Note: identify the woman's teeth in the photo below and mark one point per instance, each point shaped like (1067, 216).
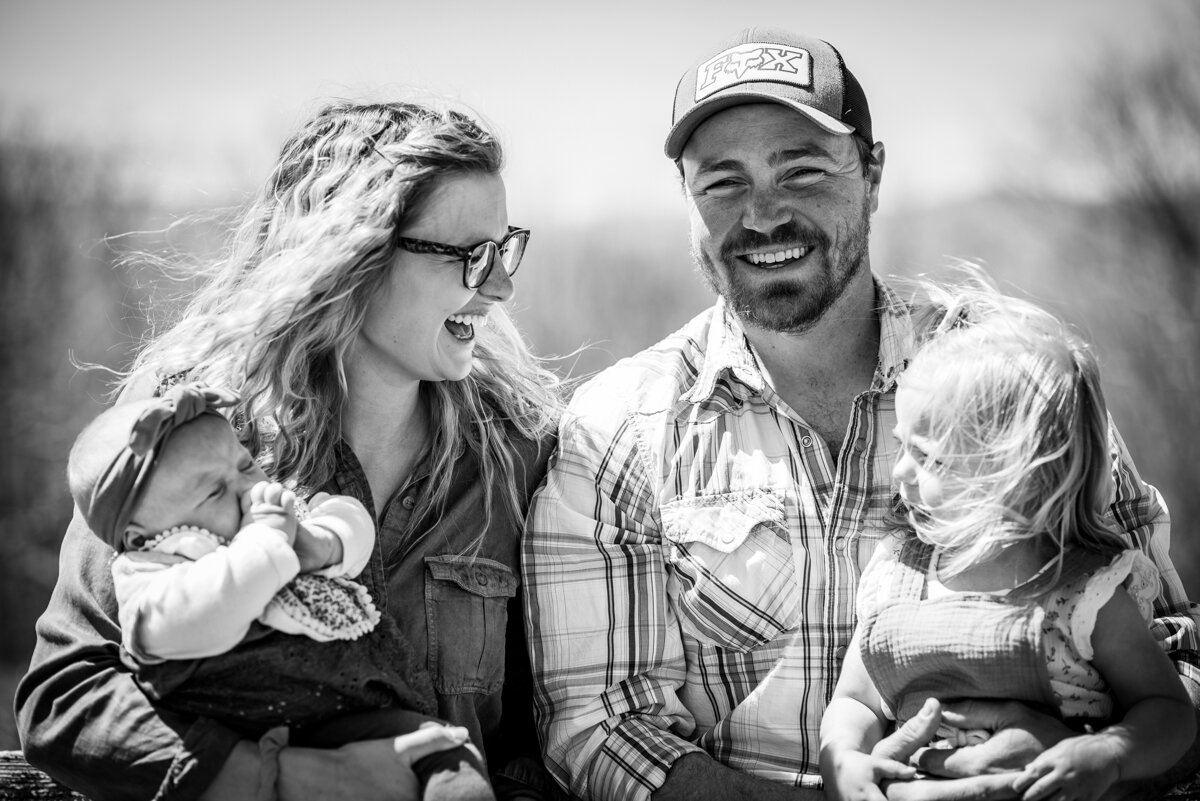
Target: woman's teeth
(778, 256)
(462, 326)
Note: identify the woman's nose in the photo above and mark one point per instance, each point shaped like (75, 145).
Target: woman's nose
(499, 284)
(903, 471)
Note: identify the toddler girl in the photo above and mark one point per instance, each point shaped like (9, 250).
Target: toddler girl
(236, 601)
(1011, 583)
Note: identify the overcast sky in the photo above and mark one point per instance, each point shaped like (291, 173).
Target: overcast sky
(203, 92)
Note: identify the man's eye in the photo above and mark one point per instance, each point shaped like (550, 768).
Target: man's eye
(217, 492)
(805, 175)
(721, 187)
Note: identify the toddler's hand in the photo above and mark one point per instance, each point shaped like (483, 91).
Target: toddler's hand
(1077, 768)
(270, 504)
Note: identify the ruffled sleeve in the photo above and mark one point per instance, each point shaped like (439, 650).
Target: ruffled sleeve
(1131, 569)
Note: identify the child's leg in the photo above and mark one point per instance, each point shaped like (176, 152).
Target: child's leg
(453, 775)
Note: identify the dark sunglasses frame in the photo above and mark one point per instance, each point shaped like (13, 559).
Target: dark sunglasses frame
(488, 249)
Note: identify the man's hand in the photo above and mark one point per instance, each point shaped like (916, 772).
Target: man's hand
(913, 736)
(1020, 734)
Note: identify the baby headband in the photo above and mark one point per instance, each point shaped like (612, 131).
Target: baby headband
(116, 492)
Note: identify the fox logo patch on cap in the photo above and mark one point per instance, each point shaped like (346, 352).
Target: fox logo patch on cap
(754, 61)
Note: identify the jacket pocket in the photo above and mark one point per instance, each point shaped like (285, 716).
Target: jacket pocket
(466, 605)
(733, 572)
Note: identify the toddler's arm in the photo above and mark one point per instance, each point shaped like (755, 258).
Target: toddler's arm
(851, 726)
(1156, 729)
(336, 538)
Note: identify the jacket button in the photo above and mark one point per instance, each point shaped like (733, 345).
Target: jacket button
(408, 502)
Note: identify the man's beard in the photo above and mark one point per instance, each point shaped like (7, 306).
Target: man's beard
(787, 306)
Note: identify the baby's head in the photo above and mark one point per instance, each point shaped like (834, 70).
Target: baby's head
(143, 467)
(1003, 429)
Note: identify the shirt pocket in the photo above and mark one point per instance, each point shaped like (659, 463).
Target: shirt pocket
(466, 606)
(733, 568)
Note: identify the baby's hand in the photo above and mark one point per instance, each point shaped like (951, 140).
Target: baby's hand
(270, 504)
(1076, 768)
(317, 548)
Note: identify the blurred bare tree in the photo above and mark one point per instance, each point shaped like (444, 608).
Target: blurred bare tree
(60, 296)
(1137, 129)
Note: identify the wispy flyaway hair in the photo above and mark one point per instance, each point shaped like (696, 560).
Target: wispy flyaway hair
(275, 319)
(1011, 400)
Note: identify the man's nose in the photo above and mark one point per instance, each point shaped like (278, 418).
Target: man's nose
(765, 211)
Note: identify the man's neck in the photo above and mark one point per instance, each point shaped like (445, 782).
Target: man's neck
(818, 372)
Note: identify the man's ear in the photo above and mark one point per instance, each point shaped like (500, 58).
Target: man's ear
(875, 173)
(135, 537)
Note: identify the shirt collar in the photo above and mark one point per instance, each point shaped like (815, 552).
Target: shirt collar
(728, 355)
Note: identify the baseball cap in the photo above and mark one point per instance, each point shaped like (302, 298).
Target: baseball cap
(765, 65)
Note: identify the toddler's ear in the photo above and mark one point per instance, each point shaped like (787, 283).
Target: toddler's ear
(135, 537)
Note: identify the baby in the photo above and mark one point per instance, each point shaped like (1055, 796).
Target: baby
(237, 601)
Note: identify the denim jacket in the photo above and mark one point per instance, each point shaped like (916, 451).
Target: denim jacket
(84, 721)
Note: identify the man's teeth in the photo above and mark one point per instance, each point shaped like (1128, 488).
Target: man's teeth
(469, 319)
(778, 256)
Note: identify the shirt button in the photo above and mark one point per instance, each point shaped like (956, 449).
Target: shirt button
(806, 441)
(839, 653)
(727, 538)
(839, 544)
(408, 502)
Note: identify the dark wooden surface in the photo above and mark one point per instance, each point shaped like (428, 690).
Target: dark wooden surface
(20, 782)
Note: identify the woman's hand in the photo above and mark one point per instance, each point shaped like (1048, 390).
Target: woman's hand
(371, 770)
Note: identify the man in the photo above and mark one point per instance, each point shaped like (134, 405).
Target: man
(691, 561)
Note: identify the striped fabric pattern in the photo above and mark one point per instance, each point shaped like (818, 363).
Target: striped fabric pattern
(691, 562)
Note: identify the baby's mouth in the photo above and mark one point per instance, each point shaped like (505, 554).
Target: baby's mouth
(462, 326)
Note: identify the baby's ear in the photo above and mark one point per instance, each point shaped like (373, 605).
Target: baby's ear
(135, 537)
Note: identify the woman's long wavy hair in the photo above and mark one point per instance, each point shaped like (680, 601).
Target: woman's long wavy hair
(275, 318)
(1010, 400)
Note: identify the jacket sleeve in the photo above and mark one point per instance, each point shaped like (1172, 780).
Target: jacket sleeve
(81, 717)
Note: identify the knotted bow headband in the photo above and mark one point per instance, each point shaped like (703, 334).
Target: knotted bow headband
(116, 492)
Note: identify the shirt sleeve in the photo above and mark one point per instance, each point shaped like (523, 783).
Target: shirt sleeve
(1140, 512)
(605, 648)
(175, 608)
(348, 520)
(81, 717)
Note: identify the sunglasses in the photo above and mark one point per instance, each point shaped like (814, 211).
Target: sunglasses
(477, 260)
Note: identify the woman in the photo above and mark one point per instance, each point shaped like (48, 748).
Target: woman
(359, 318)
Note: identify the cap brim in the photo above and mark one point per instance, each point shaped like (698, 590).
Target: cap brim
(689, 122)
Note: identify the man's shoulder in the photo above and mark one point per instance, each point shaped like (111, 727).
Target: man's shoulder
(651, 381)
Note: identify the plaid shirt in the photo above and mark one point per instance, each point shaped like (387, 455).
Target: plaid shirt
(692, 559)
